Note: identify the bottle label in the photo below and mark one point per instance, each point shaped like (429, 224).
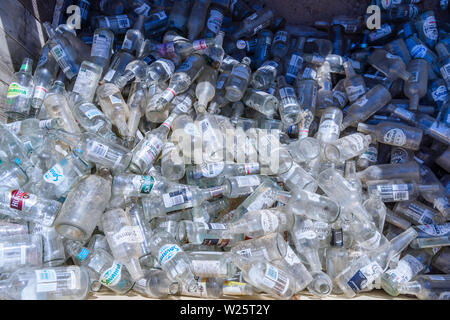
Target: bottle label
(167, 65)
(39, 92)
(14, 126)
(240, 71)
(167, 252)
(101, 46)
(55, 175)
(393, 192)
(115, 100)
(161, 15)
(252, 167)
(264, 200)
(354, 92)
(112, 276)
(341, 97)
(128, 234)
(380, 33)
(183, 103)
(269, 221)
(60, 56)
(82, 254)
(356, 141)
(16, 90)
(435, 229)
(395, 136)
(91, 113)
(48, 280)
(20, 200)
(365, 276)
(276, 279)
(187, 65)
(441, 93)
(98, 150)
(430, 28)
(294, 66)
(281, 36)
(419, 51)
(210, 170)
(371, 154)
(420, 214)
(199, 44)
(123, 21)
(206, 268)
(109, 75)
(176, 198)
(86, 80)
(143, 9)
(362, 101)
(150, 149)
(407, 268)
(329, 127)
(445, 71)
(247, 181)
(234, 288)
(127, 44)
(291, 257)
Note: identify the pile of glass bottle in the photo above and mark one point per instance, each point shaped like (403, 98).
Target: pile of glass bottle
(205, 148)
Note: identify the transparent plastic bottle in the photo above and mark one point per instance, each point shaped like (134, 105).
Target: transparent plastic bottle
(20, 92)
(238, 80)
(59, 283)
(124, 239)
(84, 205)
(173, 260)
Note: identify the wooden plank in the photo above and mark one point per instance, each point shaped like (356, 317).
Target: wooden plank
(42, 10)
(3, 91)
(12, 54)
(22, 26)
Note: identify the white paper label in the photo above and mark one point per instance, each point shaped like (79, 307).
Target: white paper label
(395, 136)
(269, 221)
(46, 280)
(98, 149)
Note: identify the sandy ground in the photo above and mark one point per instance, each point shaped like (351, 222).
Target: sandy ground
(308, 11)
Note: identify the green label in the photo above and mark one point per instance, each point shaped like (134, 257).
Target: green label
(15, 90)
(147, 184)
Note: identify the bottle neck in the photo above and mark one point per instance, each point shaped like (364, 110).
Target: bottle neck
(27, 66)
(366, 128)
(214, 192)
(349, 71)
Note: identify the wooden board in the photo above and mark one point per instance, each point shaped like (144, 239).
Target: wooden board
(22, 26)
(42, 10)
(106, 294)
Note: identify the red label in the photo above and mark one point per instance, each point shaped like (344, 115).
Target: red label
(17, 198)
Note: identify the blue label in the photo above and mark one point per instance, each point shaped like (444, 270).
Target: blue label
(357, 281)
(83, 254)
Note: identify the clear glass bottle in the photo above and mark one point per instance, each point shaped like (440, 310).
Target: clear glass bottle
(205, 89)
(102, 45)
(84, 205)
(86, 82)
(238, 80)
(347, 147)
(354, 84)
(295, 61)
(59, 283)
(20, 92)
(148, 149)
(29, 207)
(107, 271)
(409, 171)
(261, 101)
(173, 260)
(365, 106)
(289, 107)
(53, 253)
(156, 284)
(124, 239)
(392, 66)
(428, 287)
(44, 75)
(57, 106)
(336, 257)
(416, 86)
(212, 264)
(393, 191)
(19, 251)
(329, 127)
(395, 134)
